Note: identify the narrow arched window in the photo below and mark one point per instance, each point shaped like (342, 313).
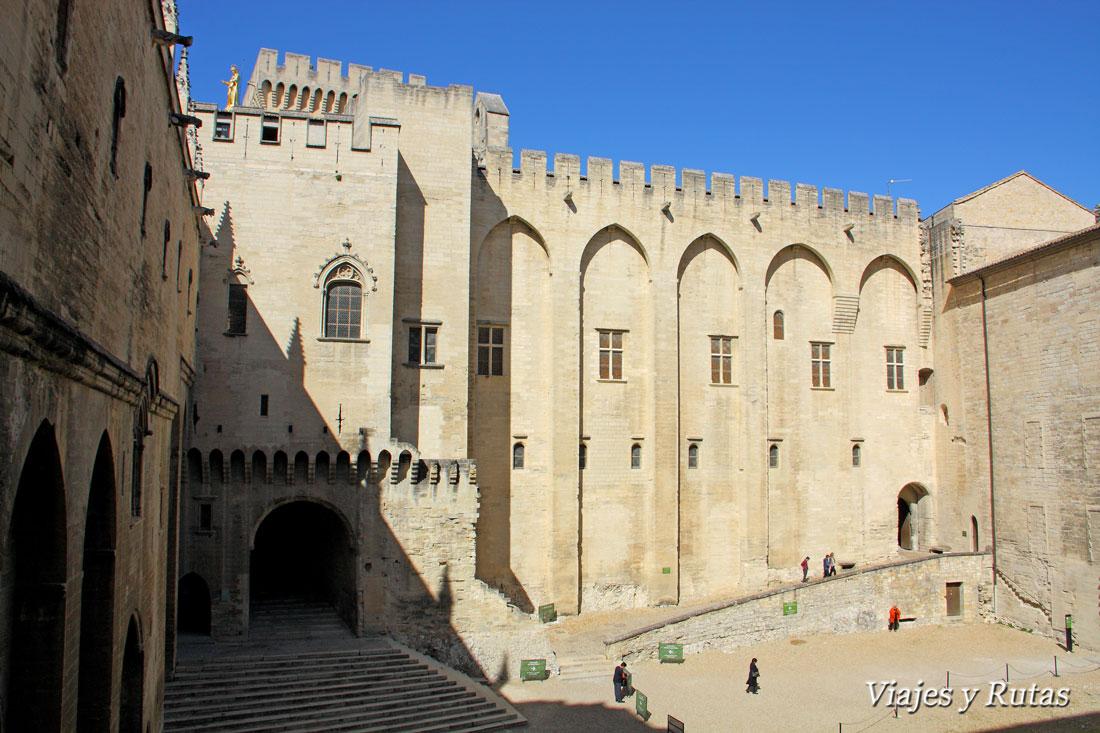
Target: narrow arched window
(517, 456)
(777, 326)
(773, 456)
(582, 456)
(693, 456)
(635, 456)
(857, 455)
(116, 122)
(343, 310)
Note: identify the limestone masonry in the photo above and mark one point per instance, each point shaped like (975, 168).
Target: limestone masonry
(331, 343)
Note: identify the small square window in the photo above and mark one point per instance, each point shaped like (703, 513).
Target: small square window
(422, 344)
(315, 134)
(820, 365)
(269, 129)
(895, 368)
(611, 355)
(223, 126)
(490, 351)
(721, 359)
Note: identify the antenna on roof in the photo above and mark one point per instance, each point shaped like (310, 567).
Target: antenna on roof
(896, 180)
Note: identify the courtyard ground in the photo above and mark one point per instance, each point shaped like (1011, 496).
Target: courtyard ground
(817, 683)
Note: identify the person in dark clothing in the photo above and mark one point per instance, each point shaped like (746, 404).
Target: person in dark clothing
(619, 679)
(825, 566)
(754, 675)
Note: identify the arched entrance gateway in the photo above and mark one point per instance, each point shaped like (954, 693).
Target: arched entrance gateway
(911, 517)
(302, 550)
(194, 605)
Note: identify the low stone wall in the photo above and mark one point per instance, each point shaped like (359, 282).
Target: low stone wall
(855, 601)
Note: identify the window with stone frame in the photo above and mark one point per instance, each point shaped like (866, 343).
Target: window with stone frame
(611, 355)
(773, 456)
(857, 456)
(895, 368)
(820, 365)
(721, 359)
(343, 309)
(693, 456)
(635, 456)
(490, 351)
(517, 456)
(422, 344)
(236, 322)
(778, 326)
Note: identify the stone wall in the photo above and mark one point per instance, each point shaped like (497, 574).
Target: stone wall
(849, 603)
(1043, 339)
(98, 253)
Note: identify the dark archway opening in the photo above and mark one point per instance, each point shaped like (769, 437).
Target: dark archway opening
(133, 682)
(974, 546)
(194, 605)
(302, 552)
(911, 517)
(905, 525)
(97, 597)
(37, 551)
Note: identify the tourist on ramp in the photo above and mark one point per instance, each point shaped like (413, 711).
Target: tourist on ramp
(754, 675)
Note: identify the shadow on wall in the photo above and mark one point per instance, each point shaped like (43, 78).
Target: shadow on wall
(492, 342)
(408, 301)
(302, 487)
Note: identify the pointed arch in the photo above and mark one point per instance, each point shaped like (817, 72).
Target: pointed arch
(798, 251)
(699, 245)
(606, 235)
(515, 222)
(37, 545)
(132, 694)
(97, 595)
(890, 262)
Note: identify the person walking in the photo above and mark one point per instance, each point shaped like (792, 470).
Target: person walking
(832, 564)
(895, 617)
(619, 680)
(825, 565)
(754, 676)
(805, 567)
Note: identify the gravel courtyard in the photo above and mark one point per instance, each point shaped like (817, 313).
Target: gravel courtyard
(816, 683)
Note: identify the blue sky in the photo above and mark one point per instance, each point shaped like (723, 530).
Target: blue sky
(953, 95)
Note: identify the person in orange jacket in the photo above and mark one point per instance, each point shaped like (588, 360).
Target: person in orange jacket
(895, 618)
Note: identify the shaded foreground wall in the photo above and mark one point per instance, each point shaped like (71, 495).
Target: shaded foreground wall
(844, 605)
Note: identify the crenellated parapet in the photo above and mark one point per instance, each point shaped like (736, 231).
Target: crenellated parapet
(665, 184)
(300, 84)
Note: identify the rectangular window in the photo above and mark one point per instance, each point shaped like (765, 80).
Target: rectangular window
(315, 134)
(236, 322)
(895, 367)
(223, 126)
(422, 341)
(490, 351)
(263, 405)
(721, 359)
(205, 517)
(820, 365)
(269, 129)
(611, 355)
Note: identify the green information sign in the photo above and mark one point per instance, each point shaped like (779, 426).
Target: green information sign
(548, 613)
(670, 653)
(533, 669)
(641, 705)
(790, 608)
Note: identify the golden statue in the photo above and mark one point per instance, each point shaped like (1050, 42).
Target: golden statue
(234, 84)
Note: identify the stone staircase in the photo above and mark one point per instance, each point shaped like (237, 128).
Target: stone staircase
(295, 619)
(590, 667)
(303, 670)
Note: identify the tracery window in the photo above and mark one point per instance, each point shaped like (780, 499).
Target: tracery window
(343, 310)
